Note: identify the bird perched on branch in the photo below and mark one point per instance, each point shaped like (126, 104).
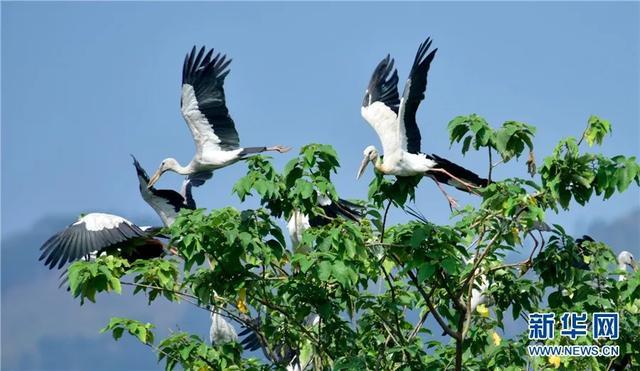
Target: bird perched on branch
(299, 222)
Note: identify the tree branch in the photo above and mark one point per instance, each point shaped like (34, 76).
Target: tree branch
(393, 296)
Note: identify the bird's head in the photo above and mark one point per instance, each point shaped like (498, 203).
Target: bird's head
(167, 164)
(370, 155)
(625, 258)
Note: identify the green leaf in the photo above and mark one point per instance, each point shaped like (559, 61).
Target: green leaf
(425, 271)
(597, 128)
(324, 270)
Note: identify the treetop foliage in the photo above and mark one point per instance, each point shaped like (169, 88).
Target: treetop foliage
(374, 285)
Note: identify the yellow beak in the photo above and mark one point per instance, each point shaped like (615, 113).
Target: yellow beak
(634, 265)
(154, 178)
(363, 166)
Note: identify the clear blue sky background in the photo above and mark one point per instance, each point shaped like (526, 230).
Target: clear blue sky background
(85, 84)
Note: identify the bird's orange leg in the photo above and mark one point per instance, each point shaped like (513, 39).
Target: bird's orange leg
(469, 186)
(452, 201)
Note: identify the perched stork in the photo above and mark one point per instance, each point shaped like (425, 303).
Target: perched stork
(394, 120)
(478, 294)
(298, 222)
(204, 109)
(97, 233)
(625, 259)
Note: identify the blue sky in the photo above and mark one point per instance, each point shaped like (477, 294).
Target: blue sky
(86, 84)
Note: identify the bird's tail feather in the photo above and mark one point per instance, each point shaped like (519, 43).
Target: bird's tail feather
(457, 171)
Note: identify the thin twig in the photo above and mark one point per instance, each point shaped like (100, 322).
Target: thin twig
(490, 166)
(418, 326)
(384, 221)
(427, 299)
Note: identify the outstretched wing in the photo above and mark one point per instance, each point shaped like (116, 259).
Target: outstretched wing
(413, 94)
(92, 233)
(203, 103)
(380, 104)
(198, 179)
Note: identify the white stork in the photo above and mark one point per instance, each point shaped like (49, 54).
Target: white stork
(97, 233)
(204, 109)
(394, 120)
(625, 259)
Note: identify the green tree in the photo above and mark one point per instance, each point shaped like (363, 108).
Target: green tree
(237, 262)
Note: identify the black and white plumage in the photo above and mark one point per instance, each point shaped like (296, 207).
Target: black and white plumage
(97, 233)
(580, 250)
(167, 203)
(204, 109)
(394, 120)
(299, 222)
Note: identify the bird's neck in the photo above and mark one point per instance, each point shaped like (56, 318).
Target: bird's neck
(183, 170)
(622, 266)
(379, 165)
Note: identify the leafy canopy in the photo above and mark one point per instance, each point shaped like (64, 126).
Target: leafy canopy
(238, 262)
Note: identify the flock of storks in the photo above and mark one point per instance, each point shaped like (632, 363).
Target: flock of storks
(204, 109)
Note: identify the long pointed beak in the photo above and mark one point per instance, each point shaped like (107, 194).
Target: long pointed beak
(154, 179)
(634, 266)
(363, 166)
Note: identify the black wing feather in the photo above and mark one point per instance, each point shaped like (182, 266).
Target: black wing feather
(198, 179)
(76, 242)
(206, 76)
(457, 171)
(414, 93)
(383, 86)
(342, 208)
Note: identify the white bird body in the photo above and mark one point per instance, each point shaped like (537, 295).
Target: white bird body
(297, 224)
(402, 163)
(478, 294)
(221, 330)
(211, 159)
